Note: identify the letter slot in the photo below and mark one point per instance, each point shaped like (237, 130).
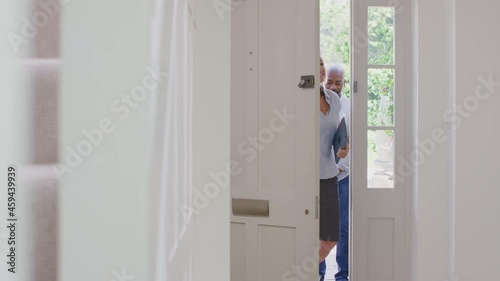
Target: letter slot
(250, 207)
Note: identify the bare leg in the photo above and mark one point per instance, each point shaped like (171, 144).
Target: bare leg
(325, 249)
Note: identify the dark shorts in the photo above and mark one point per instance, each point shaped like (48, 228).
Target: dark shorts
(328, 210)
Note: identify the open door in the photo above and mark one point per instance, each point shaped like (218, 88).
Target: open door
(381, 180)
(274, 140)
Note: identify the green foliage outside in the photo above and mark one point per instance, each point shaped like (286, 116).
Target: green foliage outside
(335, 48)
(334, 35)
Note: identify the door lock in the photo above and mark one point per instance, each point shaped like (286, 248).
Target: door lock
(306, 82)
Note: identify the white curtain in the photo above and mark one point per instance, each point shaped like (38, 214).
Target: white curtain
(172, 30)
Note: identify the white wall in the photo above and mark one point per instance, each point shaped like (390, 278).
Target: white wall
(478, 192)
(211, 145)
(434, 70)
(15, 88)
(105, 50)
(457, 236)
(105, 201)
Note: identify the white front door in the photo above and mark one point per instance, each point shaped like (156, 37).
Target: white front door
(381, 179)
(274, 140)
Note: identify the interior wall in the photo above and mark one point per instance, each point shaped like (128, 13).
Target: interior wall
(103, 223)
(211, 141)
(104, 201)
(458, 80)
(433, 210)
(478, 91)
(15, 124)
(16, 121)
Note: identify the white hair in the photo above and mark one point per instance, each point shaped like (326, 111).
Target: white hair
(335, 68)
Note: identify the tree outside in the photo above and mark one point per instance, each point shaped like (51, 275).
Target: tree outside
(335, 48)
(335, 25)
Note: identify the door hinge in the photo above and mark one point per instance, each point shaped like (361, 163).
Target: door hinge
(355, 87)
(317, 207)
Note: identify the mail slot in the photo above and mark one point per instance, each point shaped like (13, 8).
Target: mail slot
(250, 207)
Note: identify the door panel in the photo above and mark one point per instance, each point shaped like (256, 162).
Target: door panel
(380, 251)
(278, 53)
(238, 251)
(273, 263)
(274, 139)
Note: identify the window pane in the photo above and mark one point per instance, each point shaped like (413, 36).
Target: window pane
(381, 97)
(380, 159)
(381, 35)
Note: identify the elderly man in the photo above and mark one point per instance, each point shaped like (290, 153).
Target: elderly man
(335, 82)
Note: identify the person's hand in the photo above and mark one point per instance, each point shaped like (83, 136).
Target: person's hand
(342, 153)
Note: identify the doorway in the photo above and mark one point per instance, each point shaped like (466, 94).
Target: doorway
(274, 44)
(335, 49)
